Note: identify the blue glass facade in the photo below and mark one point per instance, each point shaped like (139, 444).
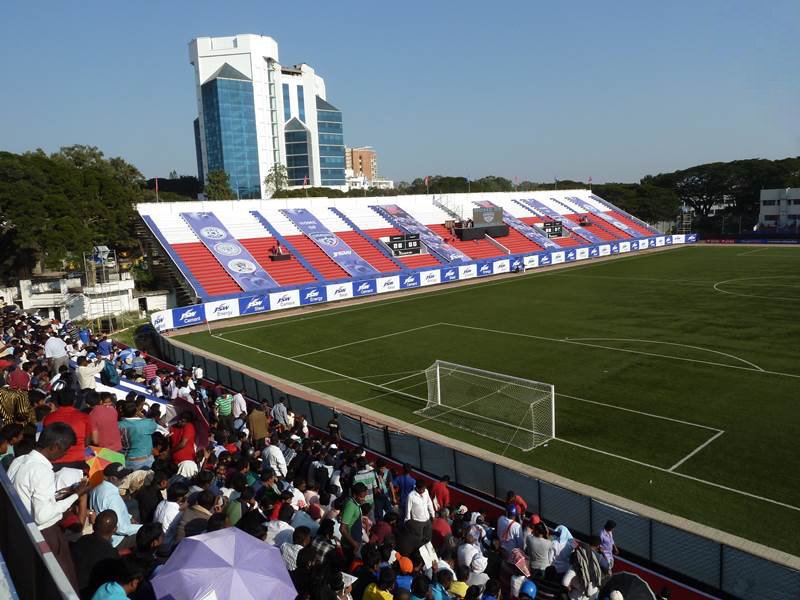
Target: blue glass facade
(287, 109)
(301, 103)
(198, 149)
(230, 131)
(331, 139)
(297, 163)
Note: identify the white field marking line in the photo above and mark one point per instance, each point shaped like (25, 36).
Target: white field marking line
(358, 376)
(757, 250)
(567, 341)
(678, 281)
(460, 409)
(369, 305)
(639, 412)
(695, 451)
(406, 387)
(377, 337)
(747, 362)
(719, 283)
(683, 475)
(323, 369)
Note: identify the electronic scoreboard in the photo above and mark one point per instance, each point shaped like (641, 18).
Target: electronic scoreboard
(404, 245)
(553, 228)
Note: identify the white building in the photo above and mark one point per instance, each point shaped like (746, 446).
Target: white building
(780, 209)
(254, 113)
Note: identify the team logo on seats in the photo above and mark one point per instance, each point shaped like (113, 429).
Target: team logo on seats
(213, 233)
(227, 249)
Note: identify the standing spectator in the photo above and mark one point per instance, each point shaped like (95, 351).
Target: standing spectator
(607, 545)
(55, 350)
(419, 513)
(258, 426)
(106, 496)
(223, 408)
(86, 371)
(66, 412)
(104, 419)
(405, 485)
(274, 457)
(385, 494)
(239, 408)
(105, 348)
(366, 475)
(351, 521)
(440, 529)
(137, 437)
(182, 438)
(538, 549)
(440, 493)
(280, 414)
(34, 481)
(20, 378)
(93, 552)
(509, 531)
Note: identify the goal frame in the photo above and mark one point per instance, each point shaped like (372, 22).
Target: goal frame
(435, 399)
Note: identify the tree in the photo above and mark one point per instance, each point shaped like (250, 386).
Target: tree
(218, 186)
(277, 178)
(173, 174)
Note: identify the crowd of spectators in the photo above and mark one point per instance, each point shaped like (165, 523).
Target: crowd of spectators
(347, 525)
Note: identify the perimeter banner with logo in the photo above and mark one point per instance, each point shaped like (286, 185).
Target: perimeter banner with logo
(331, 244)
(606, 217)
(532, 233)
(408, 224)
(234, 258)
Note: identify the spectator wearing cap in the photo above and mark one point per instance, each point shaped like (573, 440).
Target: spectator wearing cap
(106, 496)
(607, 545)
(509, 531)
(518, 501)
(477, 576)
(406, 573)
(80, 424)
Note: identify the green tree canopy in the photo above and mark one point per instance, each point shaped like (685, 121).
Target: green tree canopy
(218, 186)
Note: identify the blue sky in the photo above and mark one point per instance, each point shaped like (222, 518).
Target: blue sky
(532, 89)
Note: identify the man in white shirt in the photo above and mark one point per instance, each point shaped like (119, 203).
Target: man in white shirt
(280, 531)
(239, 407)
(33, 479)
(86, 371)
(55, 351)
(168, 512)
(510, 531)
(419, 513)
(274, 458)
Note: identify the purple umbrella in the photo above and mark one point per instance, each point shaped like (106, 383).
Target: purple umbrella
(228, 563)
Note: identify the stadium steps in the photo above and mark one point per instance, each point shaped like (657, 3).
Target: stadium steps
(284, 272)
(367, 251)
(567, 241)
(593, 228)
(320, 261)
(518, 243)
(413, 261)
(379, 247)
(632, 224)
(166, 272)
(472, 248)
(605, 225)
(206, 269)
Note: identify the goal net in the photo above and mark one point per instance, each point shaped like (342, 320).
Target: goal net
(515, 411)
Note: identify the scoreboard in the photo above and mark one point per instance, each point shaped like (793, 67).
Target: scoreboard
(404, 245)
(553, 228)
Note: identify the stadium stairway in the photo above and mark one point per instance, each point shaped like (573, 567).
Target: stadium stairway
(644, 231)
(593, 228)
(285, 272)
(567, 241)
(472, 248)
(381, 250)
(320, 261)
(410, 262)
(206, 269)
(518, 243)
(368, 252)
(605, 225)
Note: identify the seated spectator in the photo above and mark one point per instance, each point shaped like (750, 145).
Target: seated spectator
(104, 419)
(75, 457)
(128, 573)
(194, 519)
(92, 552)
(182, 438)
(168, 512)
(150, 495)
(301, 537)
(280, 531)
(106, 496)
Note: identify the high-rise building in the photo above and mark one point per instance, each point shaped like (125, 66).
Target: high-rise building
(254, 113)
(363, 162)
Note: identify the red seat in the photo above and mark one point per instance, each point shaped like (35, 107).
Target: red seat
(206, 269)
(284, 272)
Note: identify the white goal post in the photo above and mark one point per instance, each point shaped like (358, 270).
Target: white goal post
(515, 411)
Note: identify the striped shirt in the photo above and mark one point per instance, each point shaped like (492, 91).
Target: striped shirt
(224, 405)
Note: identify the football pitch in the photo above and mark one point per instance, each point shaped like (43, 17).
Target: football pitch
(676, 373)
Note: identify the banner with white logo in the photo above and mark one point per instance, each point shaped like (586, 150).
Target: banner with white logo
(581, 253)
(484, 268)
(234, 258)
(253, 305)
(501, 266)
(288, 299)
(313, 295)
(340, 291)
(557, 257)
(531, 262)
(364, 288)
(162, 320)
(660, 241)
(388, 284)
(604, 250)
(222, 309)
(409, 280)
(467, 271)
(188, 315)
(678, 238)
(449, 274)
(624, 247)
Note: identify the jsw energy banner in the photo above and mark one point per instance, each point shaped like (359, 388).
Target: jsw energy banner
(408, 224)
(329, 243)
(234, 258)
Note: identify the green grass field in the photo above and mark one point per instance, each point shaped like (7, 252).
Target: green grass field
(677, 374)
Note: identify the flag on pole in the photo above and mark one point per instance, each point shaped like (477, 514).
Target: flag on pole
(156, 189)
(590, 179)
(427, 179)
(305, 180)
